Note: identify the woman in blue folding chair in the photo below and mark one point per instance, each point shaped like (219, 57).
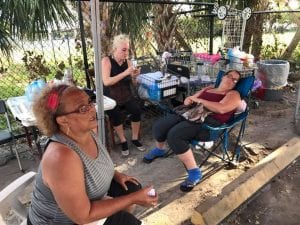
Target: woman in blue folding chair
(221, 101)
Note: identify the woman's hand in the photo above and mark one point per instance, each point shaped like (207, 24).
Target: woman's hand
(136, 71)
(143, 198)
(123, 178)
(129, 71)
(188, 100)
(191, 99)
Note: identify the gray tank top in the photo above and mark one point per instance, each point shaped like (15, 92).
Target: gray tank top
(98, 174)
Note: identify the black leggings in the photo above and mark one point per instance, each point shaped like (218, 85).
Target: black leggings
(179, 132)
(121, 217)
(131, 106)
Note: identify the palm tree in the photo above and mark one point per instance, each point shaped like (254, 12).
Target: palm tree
(117, 17)
(164, 26)
(5, 41)
(31, 19)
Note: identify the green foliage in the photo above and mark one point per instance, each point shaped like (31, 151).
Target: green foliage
(273, 51)
(129, 18)
(195, 31)
(295, 59)
(59, 71)
(13, 81)
(296, 55)
(33, 18)
(78, 57)
(35, 65)
(5, 40)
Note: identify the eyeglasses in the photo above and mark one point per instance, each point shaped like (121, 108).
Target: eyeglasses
(233, 79)
(81, 110)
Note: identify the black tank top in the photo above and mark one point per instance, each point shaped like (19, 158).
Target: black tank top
(121, 91)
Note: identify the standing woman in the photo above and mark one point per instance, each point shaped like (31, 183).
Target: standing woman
(76, 182)
(118, 74)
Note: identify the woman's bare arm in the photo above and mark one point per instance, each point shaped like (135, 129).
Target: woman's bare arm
(189, 100)
(230, 102)
(63, 174)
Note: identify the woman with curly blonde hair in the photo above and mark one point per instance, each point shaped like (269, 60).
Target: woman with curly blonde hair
(118, 74)
(76, 182)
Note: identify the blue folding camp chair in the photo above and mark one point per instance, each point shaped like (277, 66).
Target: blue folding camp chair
(220, 135)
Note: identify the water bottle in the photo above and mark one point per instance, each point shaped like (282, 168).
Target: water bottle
(31, 90)
(41, 83)
(134, 62)
(200, 68)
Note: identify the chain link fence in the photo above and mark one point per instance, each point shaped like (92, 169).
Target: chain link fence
(45, 59)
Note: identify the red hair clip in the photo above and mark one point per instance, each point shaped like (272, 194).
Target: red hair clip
(52, 102)
(53, 98)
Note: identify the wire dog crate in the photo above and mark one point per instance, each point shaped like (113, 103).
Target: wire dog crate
(159, 88)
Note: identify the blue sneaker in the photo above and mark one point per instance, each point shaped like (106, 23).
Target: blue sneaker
(153, 154)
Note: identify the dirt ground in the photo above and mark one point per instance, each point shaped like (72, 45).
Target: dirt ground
(270, 125)
(277, 204)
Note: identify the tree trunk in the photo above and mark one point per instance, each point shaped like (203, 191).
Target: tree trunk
(254, 28)
(257, 36)
(293, 45)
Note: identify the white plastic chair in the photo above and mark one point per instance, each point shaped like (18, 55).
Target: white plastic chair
(9, 198)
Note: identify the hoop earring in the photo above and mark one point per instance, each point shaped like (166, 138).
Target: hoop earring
(68, 131)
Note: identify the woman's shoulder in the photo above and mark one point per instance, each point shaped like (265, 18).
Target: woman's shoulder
(57, 153)
(209, 88)
(59, 162)
(106, 58)
(233, 93)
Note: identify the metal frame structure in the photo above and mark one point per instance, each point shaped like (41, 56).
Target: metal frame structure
(233, 32)
(95, 14)
(97, 45)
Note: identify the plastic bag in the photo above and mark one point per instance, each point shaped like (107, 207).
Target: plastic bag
(34, 88)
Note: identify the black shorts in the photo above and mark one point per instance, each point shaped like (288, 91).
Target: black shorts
(122, 217)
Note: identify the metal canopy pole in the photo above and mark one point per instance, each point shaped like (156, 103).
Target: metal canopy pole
(211, 35)
(98, 74)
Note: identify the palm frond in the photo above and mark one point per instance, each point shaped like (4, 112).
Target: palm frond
(5, 42)
(33, 18)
